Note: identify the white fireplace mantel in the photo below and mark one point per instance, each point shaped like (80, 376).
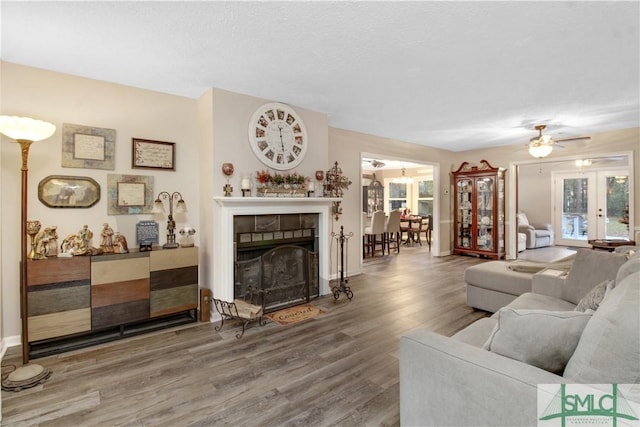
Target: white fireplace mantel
(225, 208)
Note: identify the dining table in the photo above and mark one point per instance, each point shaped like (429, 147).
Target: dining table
(407, 224)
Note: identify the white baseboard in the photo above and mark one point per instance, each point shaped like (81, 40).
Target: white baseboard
(9, 342)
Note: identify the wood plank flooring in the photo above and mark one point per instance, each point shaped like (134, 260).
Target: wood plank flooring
(340, 368)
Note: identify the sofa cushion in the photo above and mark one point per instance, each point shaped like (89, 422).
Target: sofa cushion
(545, 339)
(590, 267)
(593, 298)
(530, 301)
(496, 276)
(609, 349)
(477, 333)
(628, 268)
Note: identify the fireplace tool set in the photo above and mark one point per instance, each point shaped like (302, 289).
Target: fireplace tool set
(341, 264)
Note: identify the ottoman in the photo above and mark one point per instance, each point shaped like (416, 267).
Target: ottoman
(492, 285)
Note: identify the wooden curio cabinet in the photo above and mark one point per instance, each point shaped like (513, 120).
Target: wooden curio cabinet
(479, 210)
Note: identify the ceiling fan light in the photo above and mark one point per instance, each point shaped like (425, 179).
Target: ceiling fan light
(540, 150)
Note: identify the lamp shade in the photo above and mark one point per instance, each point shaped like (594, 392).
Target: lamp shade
(25, 128)
(181, 206)
(540, 150)
(158, 207)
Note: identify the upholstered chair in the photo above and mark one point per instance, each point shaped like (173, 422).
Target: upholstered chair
(538, 235)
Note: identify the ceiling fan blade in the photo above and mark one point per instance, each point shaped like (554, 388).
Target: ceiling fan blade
(576, 138)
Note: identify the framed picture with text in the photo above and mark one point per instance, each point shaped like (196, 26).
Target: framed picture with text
(147, 154)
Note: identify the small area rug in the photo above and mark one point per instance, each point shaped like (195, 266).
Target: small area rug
(295, 314)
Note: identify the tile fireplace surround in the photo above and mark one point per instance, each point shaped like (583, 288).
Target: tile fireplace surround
(224, 210)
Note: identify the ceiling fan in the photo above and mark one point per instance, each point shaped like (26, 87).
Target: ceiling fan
(375, 163)
(542, 145)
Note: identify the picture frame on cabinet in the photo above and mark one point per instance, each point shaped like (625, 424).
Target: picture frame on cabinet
(148, 154)
(63, 191)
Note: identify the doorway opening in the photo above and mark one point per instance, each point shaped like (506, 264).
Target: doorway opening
(390, 183)
(599, 187)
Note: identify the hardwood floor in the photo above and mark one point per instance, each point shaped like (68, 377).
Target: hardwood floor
(340, 368)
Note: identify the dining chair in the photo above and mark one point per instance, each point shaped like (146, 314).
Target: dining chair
(363, 231)
(392, 230)
(372, 231)
(416, 229)
(426, 227)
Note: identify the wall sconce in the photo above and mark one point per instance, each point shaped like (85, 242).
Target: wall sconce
(181, 207)
(25, 131)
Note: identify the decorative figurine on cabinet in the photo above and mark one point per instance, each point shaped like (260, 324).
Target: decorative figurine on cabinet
(106, 244)
(52, 243)
(120, 244)
(186, 232)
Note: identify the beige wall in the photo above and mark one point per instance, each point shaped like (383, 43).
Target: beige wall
(60, 98)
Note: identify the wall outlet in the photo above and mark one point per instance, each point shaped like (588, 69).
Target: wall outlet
(445, 191)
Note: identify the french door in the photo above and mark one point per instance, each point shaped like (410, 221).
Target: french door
(590, 205)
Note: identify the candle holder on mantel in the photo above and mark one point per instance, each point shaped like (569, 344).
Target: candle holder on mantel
(320, 178)
(245, 185)
(227, 170)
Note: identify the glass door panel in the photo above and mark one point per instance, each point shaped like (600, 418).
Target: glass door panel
(485, 193)
(613, 205)
(591, 205)
(465, 212)
(573, 208)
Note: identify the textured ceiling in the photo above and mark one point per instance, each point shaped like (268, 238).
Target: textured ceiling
(453, 75)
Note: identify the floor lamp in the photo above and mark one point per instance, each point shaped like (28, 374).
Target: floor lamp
(25, 131)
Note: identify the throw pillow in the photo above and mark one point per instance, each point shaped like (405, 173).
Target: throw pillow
(609, 348)
(590, 267)
(545, 339)
(594, 297)
(521, 219)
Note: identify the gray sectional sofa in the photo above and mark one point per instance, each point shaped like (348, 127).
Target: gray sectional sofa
(488, 373)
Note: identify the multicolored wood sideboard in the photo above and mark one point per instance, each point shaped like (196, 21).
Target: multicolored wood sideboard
(85, 300)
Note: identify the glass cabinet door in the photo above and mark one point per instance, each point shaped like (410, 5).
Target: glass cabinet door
(485, 196)
(465, 212)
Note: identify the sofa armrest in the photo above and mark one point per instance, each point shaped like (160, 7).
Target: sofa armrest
(549, 282)
(445, 382)
(525, 228)
(545, 226)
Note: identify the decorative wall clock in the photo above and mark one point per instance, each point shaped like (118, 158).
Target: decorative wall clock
(277, 136)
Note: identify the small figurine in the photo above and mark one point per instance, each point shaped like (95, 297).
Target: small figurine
(78, 244)
(86, 237)
(106, 244)
(52, 245)
(120, 244)
(41, 242)
(186, 232)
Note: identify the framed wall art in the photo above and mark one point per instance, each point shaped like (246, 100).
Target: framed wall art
(88, 147)
(147, 154)
(60, 191)
(129, 194)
